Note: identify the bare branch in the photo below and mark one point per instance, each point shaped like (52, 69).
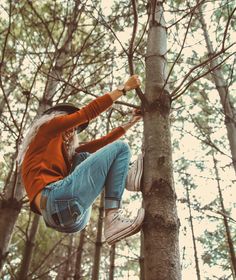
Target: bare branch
(2, 63)
(227, 27)
(174, 93)
(131, 53)
(47, 256)
(191, 9)
(181, 49)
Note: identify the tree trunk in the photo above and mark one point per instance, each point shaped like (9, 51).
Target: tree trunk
(68, 264)
(78, 273)
(226, 224)
(98, 247)
(112, 262)
(222, 88)
(3, 103)
(161, 225)
(9, 212)
(10, 206)
(141, 259)
(28, 251)
(193, 234)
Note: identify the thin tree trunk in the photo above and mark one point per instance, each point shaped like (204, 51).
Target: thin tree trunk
(98, 247)
(68, 264)
(10, 206)
(193, 235)
(161, 225)
(13, 82)
(141, 259)
(54, 76)
(222, 88)
(3, 103)
(226, 224)
(28, 250)
(112, 262)
(78, 263)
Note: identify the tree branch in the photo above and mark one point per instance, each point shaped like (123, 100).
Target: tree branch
(174, 93)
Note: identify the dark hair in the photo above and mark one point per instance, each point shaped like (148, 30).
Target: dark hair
(65, 107)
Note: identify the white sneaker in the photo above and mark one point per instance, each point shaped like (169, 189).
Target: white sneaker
(133, 181)
(118, 227)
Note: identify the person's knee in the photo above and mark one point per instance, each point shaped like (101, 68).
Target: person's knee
(123, 145)
(78, 158)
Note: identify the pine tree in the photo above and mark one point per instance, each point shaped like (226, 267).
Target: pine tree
(161, 226)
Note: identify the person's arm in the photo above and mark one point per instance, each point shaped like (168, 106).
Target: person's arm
(137, 116)
(97, 144)
(115, 134)
(132, 83)
(89, 112)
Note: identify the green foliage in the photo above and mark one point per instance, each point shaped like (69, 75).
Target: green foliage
(216, 250)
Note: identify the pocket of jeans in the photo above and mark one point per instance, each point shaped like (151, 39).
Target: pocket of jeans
(67, 212)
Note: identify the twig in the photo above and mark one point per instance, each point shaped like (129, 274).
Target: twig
(47, 256)
(174, 93)
(131, 53)
(182, 47)
(227, 27)
(190, 12)
(2, 63)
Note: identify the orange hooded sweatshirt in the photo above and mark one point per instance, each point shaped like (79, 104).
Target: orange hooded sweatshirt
(46, 159)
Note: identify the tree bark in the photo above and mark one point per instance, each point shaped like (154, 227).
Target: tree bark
(193, 234)
(112, 262)
(67, 267)
(78, 273)
(9, 212)
(98, 246)
(222, 88)
(28, 251)
(141, 259)
(226, 224)
(161, 225)
(10, 206)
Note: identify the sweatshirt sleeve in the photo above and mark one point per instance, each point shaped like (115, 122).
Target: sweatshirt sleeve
(84, 115)
(95, 145)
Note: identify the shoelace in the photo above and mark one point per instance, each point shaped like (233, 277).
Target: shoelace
(119, 216)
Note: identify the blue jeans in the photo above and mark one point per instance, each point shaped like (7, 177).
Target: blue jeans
(69, 201)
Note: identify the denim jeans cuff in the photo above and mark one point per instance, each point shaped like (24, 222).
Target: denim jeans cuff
(112, 203)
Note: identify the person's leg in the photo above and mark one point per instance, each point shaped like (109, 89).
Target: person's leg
(64, 215)
(116, 177)
(78, 158)
(134, 177)
(71, 197)
(107, 167)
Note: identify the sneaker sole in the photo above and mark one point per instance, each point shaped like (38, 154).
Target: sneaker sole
(131, 230)
(136, 177)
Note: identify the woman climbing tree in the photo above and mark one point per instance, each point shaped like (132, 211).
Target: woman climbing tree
(62, 179)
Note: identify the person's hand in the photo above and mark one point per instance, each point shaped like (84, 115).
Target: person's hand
(136, 115)
(132, 83)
